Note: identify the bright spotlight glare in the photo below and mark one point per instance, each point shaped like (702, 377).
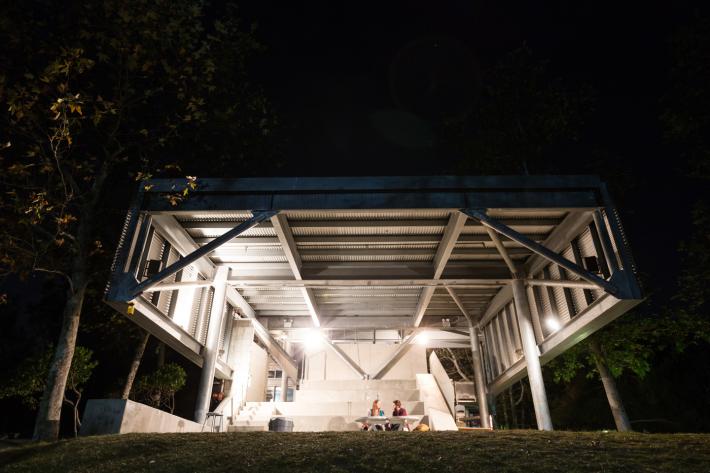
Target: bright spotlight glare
(313, 339)
(423, 338)
(552, 323)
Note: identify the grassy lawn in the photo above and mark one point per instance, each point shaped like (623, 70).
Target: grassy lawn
(502, 451)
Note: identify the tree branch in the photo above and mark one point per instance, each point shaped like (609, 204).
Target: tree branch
(453, 359)
(58, 273)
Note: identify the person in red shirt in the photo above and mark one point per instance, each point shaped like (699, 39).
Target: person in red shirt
(398, 411)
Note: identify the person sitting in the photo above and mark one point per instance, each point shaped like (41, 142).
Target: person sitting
(398, 411)
(374, 411)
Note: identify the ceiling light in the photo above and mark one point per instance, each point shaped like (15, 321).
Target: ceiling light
(422, 338)
(313, 339)
(552, 323)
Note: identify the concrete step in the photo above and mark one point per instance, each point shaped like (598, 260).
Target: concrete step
(367, 384)
(385, 396)
(248, 428)
(347, 408)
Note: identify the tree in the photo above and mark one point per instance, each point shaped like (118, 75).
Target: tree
(523, 117)
(27, 382)
(95, 91)
(135, 364)
(158, 389)
(79, 374)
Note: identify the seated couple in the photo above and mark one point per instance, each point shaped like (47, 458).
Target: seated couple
(376, 411)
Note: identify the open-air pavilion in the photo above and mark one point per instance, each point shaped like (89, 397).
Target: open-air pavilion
(344, 283)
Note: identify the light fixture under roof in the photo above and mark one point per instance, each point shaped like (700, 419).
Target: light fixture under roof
(552, 323)
(422, 338)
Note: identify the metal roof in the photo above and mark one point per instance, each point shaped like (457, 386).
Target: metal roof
(395, 243)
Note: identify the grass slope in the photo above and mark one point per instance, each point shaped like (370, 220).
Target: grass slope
(501, 451)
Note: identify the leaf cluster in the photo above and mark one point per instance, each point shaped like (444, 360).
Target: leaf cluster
(159, 387)
(93, 91)
(29, 377)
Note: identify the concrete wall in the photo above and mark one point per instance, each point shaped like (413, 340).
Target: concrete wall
(118, 416)
(325, 364)
(258, 366)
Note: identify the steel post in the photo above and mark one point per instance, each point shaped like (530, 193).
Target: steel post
(532, 356)
(284, 377)
(479, 378)
(210, 350)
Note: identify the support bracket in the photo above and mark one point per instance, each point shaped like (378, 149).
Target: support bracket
(546, 253)
(200, 252)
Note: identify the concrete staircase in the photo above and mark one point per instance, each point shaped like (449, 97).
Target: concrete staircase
(326, 405)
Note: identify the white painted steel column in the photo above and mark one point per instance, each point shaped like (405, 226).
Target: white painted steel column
(284, 377)
(532, 355)
(479, 378)
(209, 351)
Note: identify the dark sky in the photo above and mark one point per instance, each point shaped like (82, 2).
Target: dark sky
(345, 75)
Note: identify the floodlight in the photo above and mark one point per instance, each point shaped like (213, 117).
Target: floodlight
(552, 323)
(313, 339)
(422, 338)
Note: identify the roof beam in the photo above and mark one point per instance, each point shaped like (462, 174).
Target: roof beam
(459, 304)
(527, 225)
(502, 250)
(170, 229)
(368, 283)
(457, 221)
(475, 240)
(285, 236)
(401, 350)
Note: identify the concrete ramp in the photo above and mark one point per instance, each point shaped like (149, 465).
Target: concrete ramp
(436, 409)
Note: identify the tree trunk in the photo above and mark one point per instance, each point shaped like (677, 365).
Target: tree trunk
(505, 411)
(50, 408)
(612, 391)
(455, 362)
(513, 415)
(160, 351)
(137, 357)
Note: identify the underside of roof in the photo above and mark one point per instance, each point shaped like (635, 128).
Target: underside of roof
(391, 254)
(367, 244)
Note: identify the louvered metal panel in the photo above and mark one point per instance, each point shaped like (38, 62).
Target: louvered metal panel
(205, 322)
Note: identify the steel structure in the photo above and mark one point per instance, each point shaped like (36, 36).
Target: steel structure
(516, 268)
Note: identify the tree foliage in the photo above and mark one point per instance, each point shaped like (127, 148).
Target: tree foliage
(27, 381)
(158, 388)
(106, 85)
(523, 115)
(93, 93)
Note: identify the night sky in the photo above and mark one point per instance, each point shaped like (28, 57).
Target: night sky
(357, 87)
(356, 83)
